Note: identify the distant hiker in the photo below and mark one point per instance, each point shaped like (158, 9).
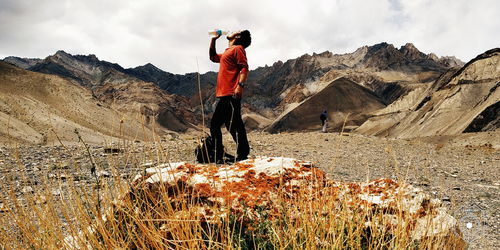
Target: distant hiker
(323, 117)
(233, 72)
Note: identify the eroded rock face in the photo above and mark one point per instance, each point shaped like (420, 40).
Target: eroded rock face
(261, 189)
(463, 100)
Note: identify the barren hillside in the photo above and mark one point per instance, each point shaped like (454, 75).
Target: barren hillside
(463, 100)
(42, 109)
(342, 98)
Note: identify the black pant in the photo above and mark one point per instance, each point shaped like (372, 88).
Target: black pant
(228, 112)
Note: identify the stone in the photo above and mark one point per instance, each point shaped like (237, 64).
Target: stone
(3, 208)
(257, 190)
(27, 189)
(103, 173)
(112, 150)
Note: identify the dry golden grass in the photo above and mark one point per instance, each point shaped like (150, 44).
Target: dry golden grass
(111, 214)
(99, 216)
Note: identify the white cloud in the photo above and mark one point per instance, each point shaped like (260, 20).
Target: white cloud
(172, 34)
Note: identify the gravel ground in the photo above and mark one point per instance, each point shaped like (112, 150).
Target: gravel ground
(466, 179)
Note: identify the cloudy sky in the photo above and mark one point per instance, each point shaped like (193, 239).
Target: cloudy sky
(172, 34)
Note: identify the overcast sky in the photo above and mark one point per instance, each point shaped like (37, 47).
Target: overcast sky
(172, 34)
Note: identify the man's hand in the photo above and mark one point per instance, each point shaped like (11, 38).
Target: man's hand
(211, 52)
(238, 92)
(216, 36)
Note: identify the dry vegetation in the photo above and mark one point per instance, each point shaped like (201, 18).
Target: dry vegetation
(73, 215)
(80, 218)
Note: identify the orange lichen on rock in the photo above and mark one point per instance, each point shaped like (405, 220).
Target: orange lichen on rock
(261, 188)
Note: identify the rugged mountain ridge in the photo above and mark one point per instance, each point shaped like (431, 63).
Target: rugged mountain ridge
(462, 100)
(371, 66)
(264, 83)
(86, 70)
(46, 109)
(387, 71)
(24, 63)
(110, 84)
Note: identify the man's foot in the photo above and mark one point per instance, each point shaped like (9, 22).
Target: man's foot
(226, 159)
(241, 158)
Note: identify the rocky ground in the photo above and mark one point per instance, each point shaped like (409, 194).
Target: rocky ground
(466, 178)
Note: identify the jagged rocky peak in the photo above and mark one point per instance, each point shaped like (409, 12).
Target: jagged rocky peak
(279, 63)
(361, 50)
(149, 67)
(24, 63)
(451, 61)
(60, 56)
(433, 56)
(409, 47)
(380, 46)
(411, 52)
(323, 54)
(447, 61)
(90, 57)
(61, 53)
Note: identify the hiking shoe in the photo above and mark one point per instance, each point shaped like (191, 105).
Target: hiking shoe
(241, 158)
(226, 159)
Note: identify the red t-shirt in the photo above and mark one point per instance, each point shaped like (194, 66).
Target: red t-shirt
(232, 62)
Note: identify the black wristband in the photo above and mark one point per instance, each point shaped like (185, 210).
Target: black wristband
(241, 84)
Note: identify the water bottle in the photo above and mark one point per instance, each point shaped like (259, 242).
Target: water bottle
(218, 32)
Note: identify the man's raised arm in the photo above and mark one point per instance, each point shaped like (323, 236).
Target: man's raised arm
(214, 57)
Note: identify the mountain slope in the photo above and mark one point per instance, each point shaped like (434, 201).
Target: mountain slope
(340, 98)
(387, 71)
(86, 70)
(110, 83)
(24, 63)
(462, 100)
(43, 109)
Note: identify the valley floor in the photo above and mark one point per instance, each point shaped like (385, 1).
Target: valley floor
(465, 178)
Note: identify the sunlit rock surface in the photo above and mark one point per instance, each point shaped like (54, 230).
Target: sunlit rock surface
(260, 189)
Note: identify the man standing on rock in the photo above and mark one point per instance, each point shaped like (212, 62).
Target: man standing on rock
(233, 72)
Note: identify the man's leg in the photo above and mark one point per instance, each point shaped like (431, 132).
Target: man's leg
(236, 127)
(218, 118)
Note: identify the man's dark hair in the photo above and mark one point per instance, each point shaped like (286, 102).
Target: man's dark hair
(245, 39)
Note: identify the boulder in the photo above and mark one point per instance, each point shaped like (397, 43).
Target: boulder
(258, 192)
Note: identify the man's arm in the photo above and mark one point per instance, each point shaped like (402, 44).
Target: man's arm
(214, 57)
(243, 76)
(241, 60)
(238, 92)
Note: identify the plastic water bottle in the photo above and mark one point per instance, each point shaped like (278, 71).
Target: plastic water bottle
(218, 32)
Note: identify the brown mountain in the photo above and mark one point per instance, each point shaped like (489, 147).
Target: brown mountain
(44, 109)
(24, 63)
(463, 99)
(387, 71)
(86, 70)
(342, 98)
(111, 84)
